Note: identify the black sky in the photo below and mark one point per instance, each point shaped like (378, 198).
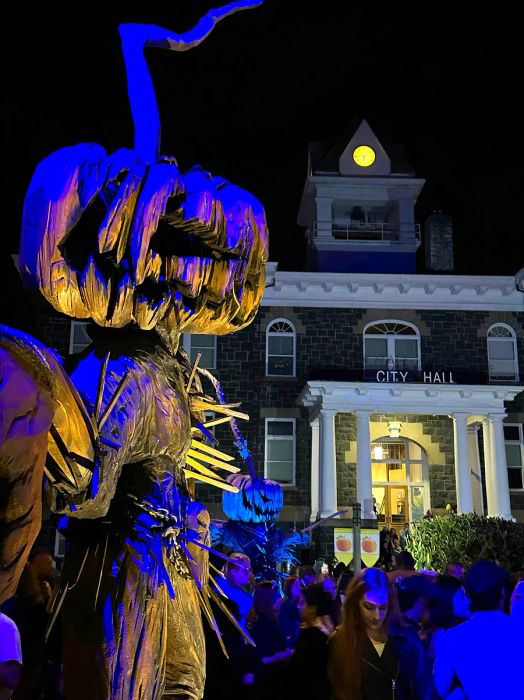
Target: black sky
(247, 101)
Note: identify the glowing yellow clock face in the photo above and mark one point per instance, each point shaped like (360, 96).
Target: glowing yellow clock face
(364, 156)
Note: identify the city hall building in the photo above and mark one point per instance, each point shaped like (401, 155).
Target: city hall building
(365, 381)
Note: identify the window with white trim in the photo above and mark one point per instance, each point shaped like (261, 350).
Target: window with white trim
(280, 450)
(514, 443)
(206, 344)
(502, 353)
(78, 338)
(281, 349)
(391, 345)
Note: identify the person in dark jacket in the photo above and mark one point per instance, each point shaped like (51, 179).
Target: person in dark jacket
(371, 654)
(304, 674)
(264, 660)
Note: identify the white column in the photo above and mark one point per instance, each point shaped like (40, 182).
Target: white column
(364, 476)
(474, 465)
(488, 466)
(328, 465)
(501, 500)
(315, 468)
(462, 471)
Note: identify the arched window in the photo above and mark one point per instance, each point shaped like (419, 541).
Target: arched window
(502, 353)
(280, 349)
(391, 345)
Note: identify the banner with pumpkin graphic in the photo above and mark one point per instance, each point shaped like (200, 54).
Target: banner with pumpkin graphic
(369, 545)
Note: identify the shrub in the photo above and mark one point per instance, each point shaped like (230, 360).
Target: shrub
(434, 542)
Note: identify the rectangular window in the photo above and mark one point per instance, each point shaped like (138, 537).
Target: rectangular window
(280, 353)
(514, 455)
(280, 450)
(501, 359)
(78, 338)
(206, 344)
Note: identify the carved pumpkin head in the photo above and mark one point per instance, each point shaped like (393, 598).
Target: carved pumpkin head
(257, 500)
(122, 241)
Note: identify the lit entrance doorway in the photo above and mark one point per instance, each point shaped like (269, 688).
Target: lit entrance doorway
(400, 481)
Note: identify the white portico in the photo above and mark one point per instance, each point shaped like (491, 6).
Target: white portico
(469, 406)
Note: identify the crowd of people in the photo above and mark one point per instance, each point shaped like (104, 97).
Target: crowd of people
(380, 633)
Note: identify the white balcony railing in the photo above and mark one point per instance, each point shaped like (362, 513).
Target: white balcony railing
(348, 230)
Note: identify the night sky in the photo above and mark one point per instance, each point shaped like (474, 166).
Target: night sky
(246, 102)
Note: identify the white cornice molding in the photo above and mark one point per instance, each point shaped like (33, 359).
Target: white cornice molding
(419, 398)
(390, 291)
(392, 180)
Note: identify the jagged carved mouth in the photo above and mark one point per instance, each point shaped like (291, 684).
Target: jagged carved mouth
(261, 512)
(179, 259)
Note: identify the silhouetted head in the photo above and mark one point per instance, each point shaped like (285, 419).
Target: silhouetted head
(485, 584)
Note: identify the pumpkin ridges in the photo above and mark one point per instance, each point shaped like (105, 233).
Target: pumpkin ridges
(94, 291)
(115, 229)
(122, 311)
(147, 314)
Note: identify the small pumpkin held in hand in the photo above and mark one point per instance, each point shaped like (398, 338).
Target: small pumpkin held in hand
(257, 500)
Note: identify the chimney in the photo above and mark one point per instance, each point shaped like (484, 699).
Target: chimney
(438, 241)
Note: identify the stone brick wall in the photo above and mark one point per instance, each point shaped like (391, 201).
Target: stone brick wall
(53, 331)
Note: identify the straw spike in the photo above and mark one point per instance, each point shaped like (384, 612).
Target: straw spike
(206, 608)
(214, 581)
(200, 405)
(226, 611)
(215, 462)
(217, 421)
(101, 386)
(200, 428)
(112, 401)
(201, 468)
(198, 445)
(214, 482)
(210, 549)
(192, 375)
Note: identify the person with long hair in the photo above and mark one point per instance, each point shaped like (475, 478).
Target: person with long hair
(371, 654)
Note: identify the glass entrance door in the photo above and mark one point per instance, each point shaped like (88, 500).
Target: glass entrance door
(399, 488)
(392, 504)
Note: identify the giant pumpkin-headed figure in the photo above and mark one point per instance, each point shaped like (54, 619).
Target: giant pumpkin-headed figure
(145, 252)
